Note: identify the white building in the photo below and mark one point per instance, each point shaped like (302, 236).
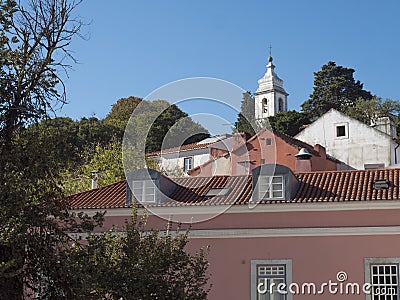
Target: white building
(270, 97)
(356, 144)
(177, 161)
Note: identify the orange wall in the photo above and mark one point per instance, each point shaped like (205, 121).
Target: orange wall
(279, 152)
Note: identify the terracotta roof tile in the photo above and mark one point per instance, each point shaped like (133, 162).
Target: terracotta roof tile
(186, 147)
(109, 196)
(326, 186)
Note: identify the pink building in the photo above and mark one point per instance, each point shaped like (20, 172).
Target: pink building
(265, 147)
(275, 234)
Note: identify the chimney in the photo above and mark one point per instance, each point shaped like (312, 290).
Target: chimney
(385, 125)
(321, 150)
(94, 176)
(303, 161)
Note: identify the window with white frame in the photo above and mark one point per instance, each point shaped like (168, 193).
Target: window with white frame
(270, 187)
(188, 163)
(383, 275)
(144, 191)
(270, 279)
(341, 130)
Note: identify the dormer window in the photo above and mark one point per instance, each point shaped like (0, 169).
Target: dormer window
(270, 187)
(144, 191)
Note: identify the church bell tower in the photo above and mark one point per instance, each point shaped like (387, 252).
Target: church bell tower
(270, 97)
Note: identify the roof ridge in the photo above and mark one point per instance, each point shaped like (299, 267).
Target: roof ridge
(347, 171)
(294, 140)
(178, 148)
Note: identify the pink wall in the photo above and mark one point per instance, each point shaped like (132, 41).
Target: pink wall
(295, 219)
(315, 259)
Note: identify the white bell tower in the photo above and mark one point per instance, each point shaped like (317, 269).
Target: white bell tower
(270, 97)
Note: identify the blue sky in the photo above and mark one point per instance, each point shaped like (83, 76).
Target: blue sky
(138, 46)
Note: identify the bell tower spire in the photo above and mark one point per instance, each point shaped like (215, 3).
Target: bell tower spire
(270, 97)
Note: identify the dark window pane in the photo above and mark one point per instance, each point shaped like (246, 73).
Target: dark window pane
(340, 131)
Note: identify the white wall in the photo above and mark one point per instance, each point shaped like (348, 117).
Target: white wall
(171, 161)
(361, 145)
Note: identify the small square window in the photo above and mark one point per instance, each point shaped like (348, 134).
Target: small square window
(340, 131)
(268, 141)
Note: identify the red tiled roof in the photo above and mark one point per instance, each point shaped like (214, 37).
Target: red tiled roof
(333, 186)
(187, 147)
(327, 186)
(109, 196)
(192, 190)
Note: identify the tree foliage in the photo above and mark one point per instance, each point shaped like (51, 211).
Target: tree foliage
(172, 120)
(334, 87)
(368, 111)
(120, 113)
(140, 264)
(39, 258)
(289, 122)
(34, 53)
(246, 119)
(64, 140)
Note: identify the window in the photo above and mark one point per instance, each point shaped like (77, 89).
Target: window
(270, 279)
(341, 130)
(188, 163)
(144, 191)
(373, 166)
(270, 187)
(383, 275)
(280, 105)
(217, 192)
(265, 105)
(268, 141)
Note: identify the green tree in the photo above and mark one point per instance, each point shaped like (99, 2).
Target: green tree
(64, 140)
(34, 40)
(246, 120)
(105, 161)
(289, 122)
(120, 113)
(140, 264)
(334, 87)
(172, 120)
(368, 111)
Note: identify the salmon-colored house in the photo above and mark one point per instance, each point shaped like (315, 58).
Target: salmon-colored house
(266, 147)
(275, 234)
